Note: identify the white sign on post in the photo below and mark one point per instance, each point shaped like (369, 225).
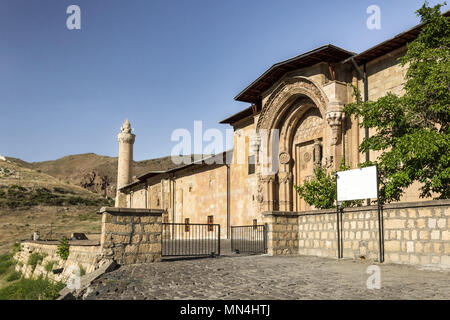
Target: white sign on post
(357, 184)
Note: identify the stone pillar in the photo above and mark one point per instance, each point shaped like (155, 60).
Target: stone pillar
(282, 232)
(125, 161)
(131, 235)
(285, 184)
(265, 190)
(337, 93)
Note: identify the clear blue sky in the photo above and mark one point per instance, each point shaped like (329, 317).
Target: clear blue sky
(162, 64)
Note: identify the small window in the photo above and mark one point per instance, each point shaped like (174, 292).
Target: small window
(251, 164)
(255, 224)
(186, 225)
(210, 223)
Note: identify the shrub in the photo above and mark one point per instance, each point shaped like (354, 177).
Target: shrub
(34, 259)
(15, 275)
(32, 289)
(320, 191)
(49, 266)
(6, 262)
(63, 248)
(82, 270)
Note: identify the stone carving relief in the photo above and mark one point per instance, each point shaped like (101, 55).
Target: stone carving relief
(306, 156)
(317, 153)
(311, 126)
(334, 119)
(282, 93)
(284, 158)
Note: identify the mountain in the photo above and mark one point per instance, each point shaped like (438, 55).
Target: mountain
(21, 186)
(35, 201)
(91, 171)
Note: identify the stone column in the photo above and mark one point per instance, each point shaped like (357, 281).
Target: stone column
(265, 190)
(284, 181)
(285, 184)
(125, 161)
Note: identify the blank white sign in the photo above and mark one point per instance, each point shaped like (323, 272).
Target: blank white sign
(357, 184)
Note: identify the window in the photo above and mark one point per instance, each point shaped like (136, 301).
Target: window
(251, 164)
(210, 223)
(186, 225)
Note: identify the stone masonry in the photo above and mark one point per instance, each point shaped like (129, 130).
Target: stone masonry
(415, 233)
(131, 235)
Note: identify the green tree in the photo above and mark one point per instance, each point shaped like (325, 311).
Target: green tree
(412, 131)
(63, 248)
(320, 191)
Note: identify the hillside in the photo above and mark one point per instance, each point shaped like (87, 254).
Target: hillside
(91, 171)
(34, 201)
(24, 187)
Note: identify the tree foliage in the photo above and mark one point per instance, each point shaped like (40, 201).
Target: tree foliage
(320, 191)
(63, 248)
(412, 131)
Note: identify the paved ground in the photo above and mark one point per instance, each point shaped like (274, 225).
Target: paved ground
(265, 277)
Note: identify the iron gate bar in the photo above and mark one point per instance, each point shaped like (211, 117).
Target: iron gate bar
(196, 240)
(249, 239)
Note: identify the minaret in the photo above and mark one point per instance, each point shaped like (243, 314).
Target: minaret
(125, 162)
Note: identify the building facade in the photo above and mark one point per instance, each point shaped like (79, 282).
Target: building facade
(299, 103)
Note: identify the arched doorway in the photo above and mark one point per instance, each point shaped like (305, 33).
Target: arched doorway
(298, 109)
(306, 151)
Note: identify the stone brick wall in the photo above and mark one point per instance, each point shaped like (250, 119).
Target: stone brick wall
(415, 233)
(84, 257)
(131, 235)
(282, 232)
(317, 234)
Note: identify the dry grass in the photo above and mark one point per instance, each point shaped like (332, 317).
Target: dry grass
(19, 224)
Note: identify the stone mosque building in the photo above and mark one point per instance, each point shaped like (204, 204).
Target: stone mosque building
(303, 97)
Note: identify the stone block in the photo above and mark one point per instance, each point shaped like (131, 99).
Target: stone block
(410, 246)
(123, 219)
(420, 223)
(445, 260)
(432, 223)
(394, 224)
(117, 228)
(425, 212)
(115, 238)
(442, 223)
(435, 234)
(437, 248)
(424, 235)
(392, 246)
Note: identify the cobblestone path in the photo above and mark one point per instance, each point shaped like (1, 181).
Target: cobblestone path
(265, 277)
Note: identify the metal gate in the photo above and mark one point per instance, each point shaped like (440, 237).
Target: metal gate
(249, 239)
(186, 239)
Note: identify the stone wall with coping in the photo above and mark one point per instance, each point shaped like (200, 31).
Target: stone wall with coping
(282, 232)
(131, 235)
(81, 257)
(415, 233)
(317, 234)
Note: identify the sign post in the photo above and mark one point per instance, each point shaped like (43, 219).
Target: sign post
(358, 184)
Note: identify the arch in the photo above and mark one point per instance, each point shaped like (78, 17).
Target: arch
(284, 95)
(284, 109)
